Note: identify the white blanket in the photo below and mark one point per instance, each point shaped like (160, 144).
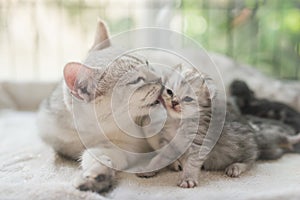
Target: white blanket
(30, 170)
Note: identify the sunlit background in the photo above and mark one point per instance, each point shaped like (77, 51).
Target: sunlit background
(37, 37)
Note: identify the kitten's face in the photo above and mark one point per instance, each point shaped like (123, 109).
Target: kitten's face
(175, 103)
(179, 96)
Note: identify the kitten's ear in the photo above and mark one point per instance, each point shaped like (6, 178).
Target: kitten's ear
(79, 79)
(212, 91)
(178, 67)
(174, 72)
(101, 37)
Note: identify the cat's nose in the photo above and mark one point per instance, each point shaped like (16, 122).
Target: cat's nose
(174, 103)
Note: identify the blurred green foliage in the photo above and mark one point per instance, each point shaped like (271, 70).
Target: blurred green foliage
(264, 33)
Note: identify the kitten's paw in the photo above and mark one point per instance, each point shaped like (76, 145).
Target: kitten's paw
(175, 166)
(189, 178)
(187, 183)
(146, 174)
(97, 179)
(233, 170)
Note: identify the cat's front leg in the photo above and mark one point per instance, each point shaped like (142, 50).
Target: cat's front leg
(96, 178)
(189, 175)
(97, 172)
(191, 164)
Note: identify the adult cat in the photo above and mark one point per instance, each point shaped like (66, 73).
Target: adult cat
(86, 94)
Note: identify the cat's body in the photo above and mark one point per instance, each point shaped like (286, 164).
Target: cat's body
(70, 118)
(242, 141)
(234, 152)
(250, 105)
(273, 137)
(276, 124)
(270, 138)
(236, 146)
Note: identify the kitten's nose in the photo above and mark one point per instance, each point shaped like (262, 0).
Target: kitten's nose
(174, 103)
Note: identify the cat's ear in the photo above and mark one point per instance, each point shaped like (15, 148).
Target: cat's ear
(252, 94)
(79, 79)
(101, 40)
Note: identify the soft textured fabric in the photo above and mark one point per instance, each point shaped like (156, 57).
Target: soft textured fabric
(31, 170)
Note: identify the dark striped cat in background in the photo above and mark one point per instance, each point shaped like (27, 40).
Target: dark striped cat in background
(250, 105)
(278, 120)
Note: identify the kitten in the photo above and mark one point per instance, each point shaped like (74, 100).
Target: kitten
(243, 140)
(250, 105)
(87, 95)
(234, 152)
(273, 137)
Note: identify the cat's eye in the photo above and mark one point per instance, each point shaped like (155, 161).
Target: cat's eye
(137, 80)
(170, 92)
(187, 99)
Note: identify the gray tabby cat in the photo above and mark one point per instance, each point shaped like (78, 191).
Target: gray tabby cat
(273, 137)
(235, 151)
(86, 94)
(242, 141)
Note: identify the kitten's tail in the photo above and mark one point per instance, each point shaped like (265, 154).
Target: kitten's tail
(294, 141)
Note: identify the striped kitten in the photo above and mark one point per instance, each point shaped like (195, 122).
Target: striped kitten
(234, 152)
(249, 104)
(273, 137)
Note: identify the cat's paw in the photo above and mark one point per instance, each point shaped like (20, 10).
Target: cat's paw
(189, 178)
(146, 174)
(187, 183)
(175, 166)
(97, 179)
(233, 171)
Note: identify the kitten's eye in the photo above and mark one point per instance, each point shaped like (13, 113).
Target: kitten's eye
(170, 92)
(187, 99)
(137, 80)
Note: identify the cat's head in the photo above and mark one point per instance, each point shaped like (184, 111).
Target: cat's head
(241, 93)
(186, 92)
(111, 72)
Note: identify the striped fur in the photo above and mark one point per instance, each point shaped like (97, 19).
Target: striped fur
(236, 149)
